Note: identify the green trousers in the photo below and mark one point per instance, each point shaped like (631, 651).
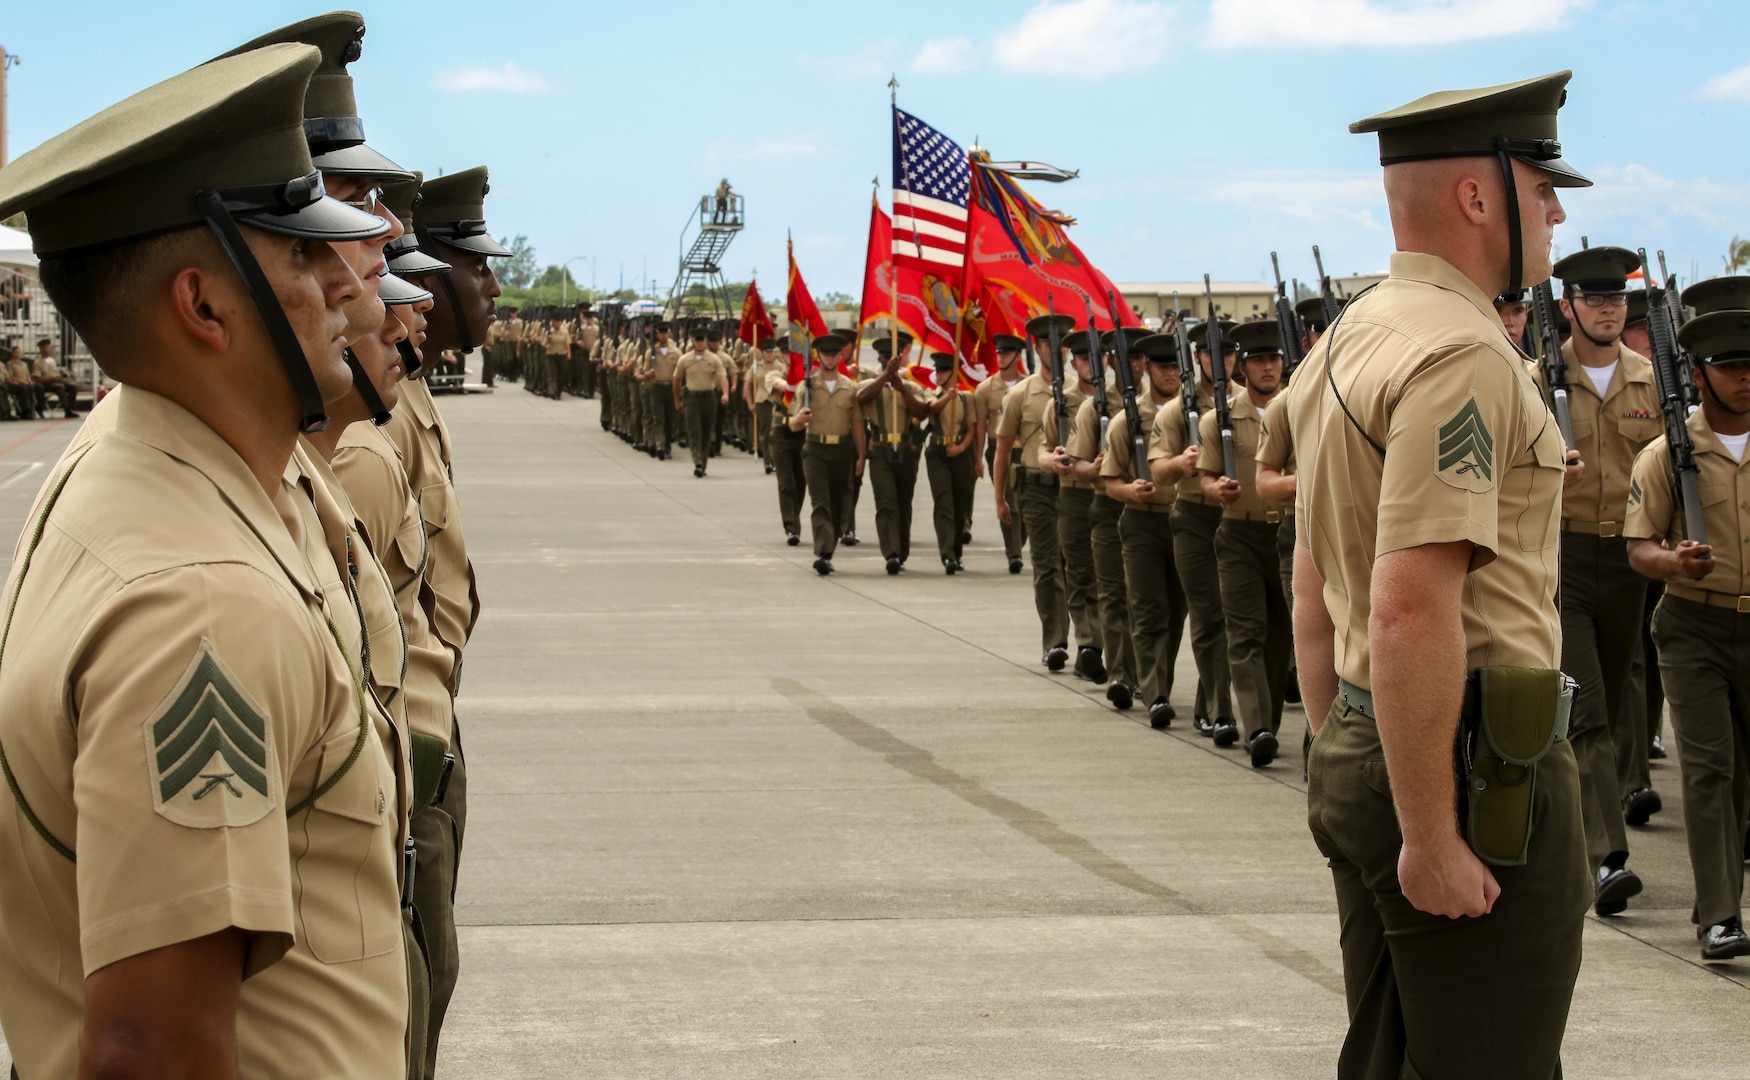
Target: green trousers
(1037, 494)
(848, 520)
(1194, 526)
(491, 362)
(1602, 598)
(1259, 637)
(437, 839)
(589, 373)
(1431, 997)
(1704, 659)
(1157, 600)
(951, 481)
(763, 426)
(827, 471)
(659, 416)
(786, 450)
(1015, 532)
(1106, 538)
(605, 383)
(1643, 704)
(701, 414)
(896, 485)
(1079, 582)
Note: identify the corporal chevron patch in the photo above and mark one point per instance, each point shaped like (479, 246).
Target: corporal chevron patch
(1464, 450)
(209, 754)
(1635, 495)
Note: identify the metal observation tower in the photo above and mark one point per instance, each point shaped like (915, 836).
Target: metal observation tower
(713, 225)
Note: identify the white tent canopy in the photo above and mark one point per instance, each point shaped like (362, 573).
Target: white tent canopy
(15, 248)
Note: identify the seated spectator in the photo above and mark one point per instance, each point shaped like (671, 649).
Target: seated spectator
(49, 377)
(20, 389)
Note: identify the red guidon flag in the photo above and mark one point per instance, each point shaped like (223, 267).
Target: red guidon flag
(756, 322)
(1020, 262)
(930, 184)
(806, 323)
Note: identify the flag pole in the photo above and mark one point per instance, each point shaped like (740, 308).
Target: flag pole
(892, 265)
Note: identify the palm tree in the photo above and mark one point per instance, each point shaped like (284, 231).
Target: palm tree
(1737, 255)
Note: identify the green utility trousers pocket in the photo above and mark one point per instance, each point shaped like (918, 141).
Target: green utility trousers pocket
(1512, 716)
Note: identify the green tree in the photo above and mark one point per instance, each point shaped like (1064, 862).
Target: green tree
(517, 271)
(1737, 255)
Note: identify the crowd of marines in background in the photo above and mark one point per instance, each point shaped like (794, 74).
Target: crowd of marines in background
(1125, 562)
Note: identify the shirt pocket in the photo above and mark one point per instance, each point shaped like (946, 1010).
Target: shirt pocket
(411, 546)
(1534, 483)
(349, 896)
(1638, 431)
(434, 507)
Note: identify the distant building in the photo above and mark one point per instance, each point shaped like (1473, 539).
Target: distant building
(1239, 300)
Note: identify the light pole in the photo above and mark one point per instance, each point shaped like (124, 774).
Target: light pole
(565, 279)
(7, 62)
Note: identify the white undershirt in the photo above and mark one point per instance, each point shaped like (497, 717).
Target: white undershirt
(830, 384)
(1734, 444)
(1601, 376)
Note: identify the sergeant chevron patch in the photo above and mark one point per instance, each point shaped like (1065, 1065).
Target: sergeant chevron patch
(1465, 451)
(209, 755)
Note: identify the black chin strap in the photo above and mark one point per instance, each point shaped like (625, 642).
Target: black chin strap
(1515, 241)
(410, 361)
(312, 415)
(428, 243)
(1715, 394)
(367, 390)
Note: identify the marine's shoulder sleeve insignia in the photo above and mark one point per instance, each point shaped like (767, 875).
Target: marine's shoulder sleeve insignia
(209, 756)
(1635, 495)
(1465, 450)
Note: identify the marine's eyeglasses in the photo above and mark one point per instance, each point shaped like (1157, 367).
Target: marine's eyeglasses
(367, 201)
(1598, 300)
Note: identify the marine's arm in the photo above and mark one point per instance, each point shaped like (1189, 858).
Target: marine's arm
(1315, 640)
(171, 1011)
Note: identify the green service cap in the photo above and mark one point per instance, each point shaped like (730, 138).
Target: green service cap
(1637, 308)
(1159, 348)
(1718, 294)
(394, 290)
(331, 115)
(452, 209)
(1076, 343)
(1039, 327)
(402, 253)
(829, 343)
(1518, 117)
(1312, 312)
(1260, 338)
(883, 346)
(1200, 334)
(1132, 335)
(1007, 343)
(1719, 337)
(944, 361)
(767, 343)
(137, 168)
(1598, 269)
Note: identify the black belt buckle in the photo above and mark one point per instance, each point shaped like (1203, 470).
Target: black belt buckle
(409, 867)
(444, 780)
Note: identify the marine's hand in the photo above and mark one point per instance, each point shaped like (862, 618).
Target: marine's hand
(1002, 509)
(1446, 878)
(1228, 491)
(1694, 561)
(1056, 460)
(1576, 469)
(1143, 490)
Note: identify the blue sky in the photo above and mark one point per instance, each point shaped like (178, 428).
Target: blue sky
(1207, 133)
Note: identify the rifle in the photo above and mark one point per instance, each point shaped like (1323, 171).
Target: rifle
(1132, 414)
(1678, 315)
(807, 366)
(1218, 376)
(1327, 299)
(1187, 376)
(1097, 366)
(1032, 361)
(1054, 342)
(1670, 375)
(1555, 369)
(1287, 322)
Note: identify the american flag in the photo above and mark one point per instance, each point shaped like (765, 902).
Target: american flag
(931, 180)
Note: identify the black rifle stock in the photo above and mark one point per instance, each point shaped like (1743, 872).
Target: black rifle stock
(1327, 298)
(1287, 322)
(1670, 376)
(1224, 420)
(1187, 376)
(1054, 342)
(1097, 369)
(1132, 412)
(1555, 369)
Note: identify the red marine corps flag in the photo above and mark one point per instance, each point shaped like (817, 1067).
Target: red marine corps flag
(756, 323)
(806, 323)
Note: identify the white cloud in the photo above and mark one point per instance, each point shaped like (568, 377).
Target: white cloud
(508, 78)
(945, 56)
(1325, 24)
(1638, 195)
(1732, 86)
(1315, 197)
(785, 149)
(1088, 39)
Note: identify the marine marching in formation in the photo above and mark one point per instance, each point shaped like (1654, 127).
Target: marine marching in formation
(238, 612)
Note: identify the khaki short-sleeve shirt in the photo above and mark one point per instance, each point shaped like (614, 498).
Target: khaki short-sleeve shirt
(1169, 436)
(1248, 425)
(1022, 418)
(1466, 451)
(835, 410)
(987, 398)
(172, 685)
(423, 442)
(1723, 482)
(663, 359)
(699, 371)
(1277, 448)
(1611, 430)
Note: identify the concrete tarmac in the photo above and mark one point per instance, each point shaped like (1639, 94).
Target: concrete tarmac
(732, 819)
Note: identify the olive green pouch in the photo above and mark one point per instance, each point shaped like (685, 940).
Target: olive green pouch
(1512, 716)
(428, 769)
